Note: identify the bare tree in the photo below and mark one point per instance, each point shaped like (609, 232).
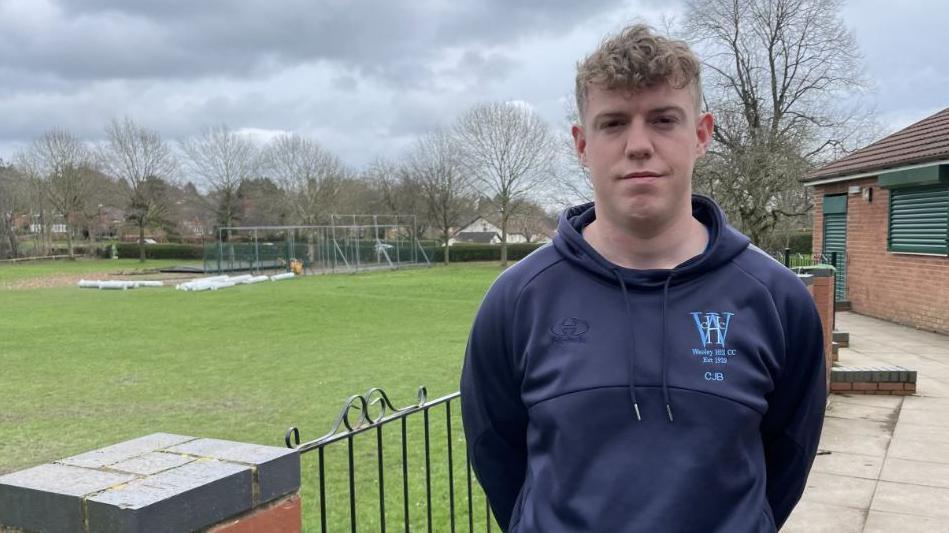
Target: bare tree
(309, 174)
(530, 220)
(264, 203)
(396, 190)
(13, 195)
(780, 79)
(572, 184)
(223, 159)
(508, 150)
(435, 163)
(143, 163)
(60, 164)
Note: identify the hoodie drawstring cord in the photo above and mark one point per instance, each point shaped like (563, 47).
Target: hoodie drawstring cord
(632, 345)
(665, 386)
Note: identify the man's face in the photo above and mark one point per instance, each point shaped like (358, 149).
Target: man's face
(640, 148)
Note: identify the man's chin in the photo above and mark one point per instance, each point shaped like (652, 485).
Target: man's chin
(647, 214)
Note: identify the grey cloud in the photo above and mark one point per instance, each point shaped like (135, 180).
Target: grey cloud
(480, 66)
(99, 39)
(345, 83)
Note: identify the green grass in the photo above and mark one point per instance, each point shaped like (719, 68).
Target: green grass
(38, 269)
(83, 369)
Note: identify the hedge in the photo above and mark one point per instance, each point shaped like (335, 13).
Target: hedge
(129, 250)
(77, 250)
(482, 252)
(801, 242)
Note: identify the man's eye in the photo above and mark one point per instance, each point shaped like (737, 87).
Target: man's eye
(611, 124)
(665, 120)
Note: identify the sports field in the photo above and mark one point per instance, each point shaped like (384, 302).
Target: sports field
(83, 368)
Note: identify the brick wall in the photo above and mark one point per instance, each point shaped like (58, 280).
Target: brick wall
(820, 284)
(904, 288)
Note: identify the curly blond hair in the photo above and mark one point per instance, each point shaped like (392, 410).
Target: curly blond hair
(638, 58)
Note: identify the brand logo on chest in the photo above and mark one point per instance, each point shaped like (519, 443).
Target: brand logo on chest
(571, 329)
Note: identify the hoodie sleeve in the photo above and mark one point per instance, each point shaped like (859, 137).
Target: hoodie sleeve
(792, 426)
(494, 417)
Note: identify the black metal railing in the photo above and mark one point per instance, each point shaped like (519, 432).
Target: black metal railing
(796, 260)
(837, 259)
(372, 413)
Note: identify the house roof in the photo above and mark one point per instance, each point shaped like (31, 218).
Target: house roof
(922, 142)
(475, 219)
(476, 236)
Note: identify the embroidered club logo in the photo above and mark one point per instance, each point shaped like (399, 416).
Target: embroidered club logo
(712, 327)
(570, 329)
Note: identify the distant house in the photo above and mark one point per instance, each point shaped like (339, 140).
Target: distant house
(884, 209)
(194, 227)
(476, 237)
(483, 231)
(58, 228)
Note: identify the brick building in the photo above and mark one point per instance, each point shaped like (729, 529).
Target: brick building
(885, 210)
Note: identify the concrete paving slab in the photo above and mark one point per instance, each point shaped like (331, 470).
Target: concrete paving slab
(907, 430)
(885, 402)
(849, 464)
(932, 386)
(919, 450)
(874, 445)
(876, 352)
(125, 450)
(916, 472)
(911, 499)
(816, 517)
(861, 412)
(857, 426)
(925, 417)
(919, 347)
(151, 463)
(926, 349)
(923, 403)
(50, 497)
(845, 491)
(879, 522)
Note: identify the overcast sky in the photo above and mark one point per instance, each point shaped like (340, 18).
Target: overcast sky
(363, 77)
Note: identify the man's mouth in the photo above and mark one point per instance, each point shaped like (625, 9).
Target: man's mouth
(641, 175)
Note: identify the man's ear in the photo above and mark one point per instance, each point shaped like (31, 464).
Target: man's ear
(704, 127)
(579, 143)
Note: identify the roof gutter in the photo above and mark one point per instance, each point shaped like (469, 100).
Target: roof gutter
(877, 172)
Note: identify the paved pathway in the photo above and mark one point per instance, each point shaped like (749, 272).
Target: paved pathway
(888, 466)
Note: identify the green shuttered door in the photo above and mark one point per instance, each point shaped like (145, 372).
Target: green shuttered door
(835, 239)
(919, 220)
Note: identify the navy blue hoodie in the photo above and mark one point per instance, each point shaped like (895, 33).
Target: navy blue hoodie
(604, 399)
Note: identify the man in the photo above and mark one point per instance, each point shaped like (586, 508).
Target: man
(650, 371)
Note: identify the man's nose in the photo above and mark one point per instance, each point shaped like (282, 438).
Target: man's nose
(638, 142)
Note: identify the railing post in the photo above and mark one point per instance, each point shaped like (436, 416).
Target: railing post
(787, 258)
(833, 260)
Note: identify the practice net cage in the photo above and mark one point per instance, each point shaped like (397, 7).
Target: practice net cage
(349, 243)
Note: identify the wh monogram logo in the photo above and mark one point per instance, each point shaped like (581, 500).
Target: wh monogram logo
(713, 328)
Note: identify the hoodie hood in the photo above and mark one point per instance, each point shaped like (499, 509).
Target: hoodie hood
(724, 244)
